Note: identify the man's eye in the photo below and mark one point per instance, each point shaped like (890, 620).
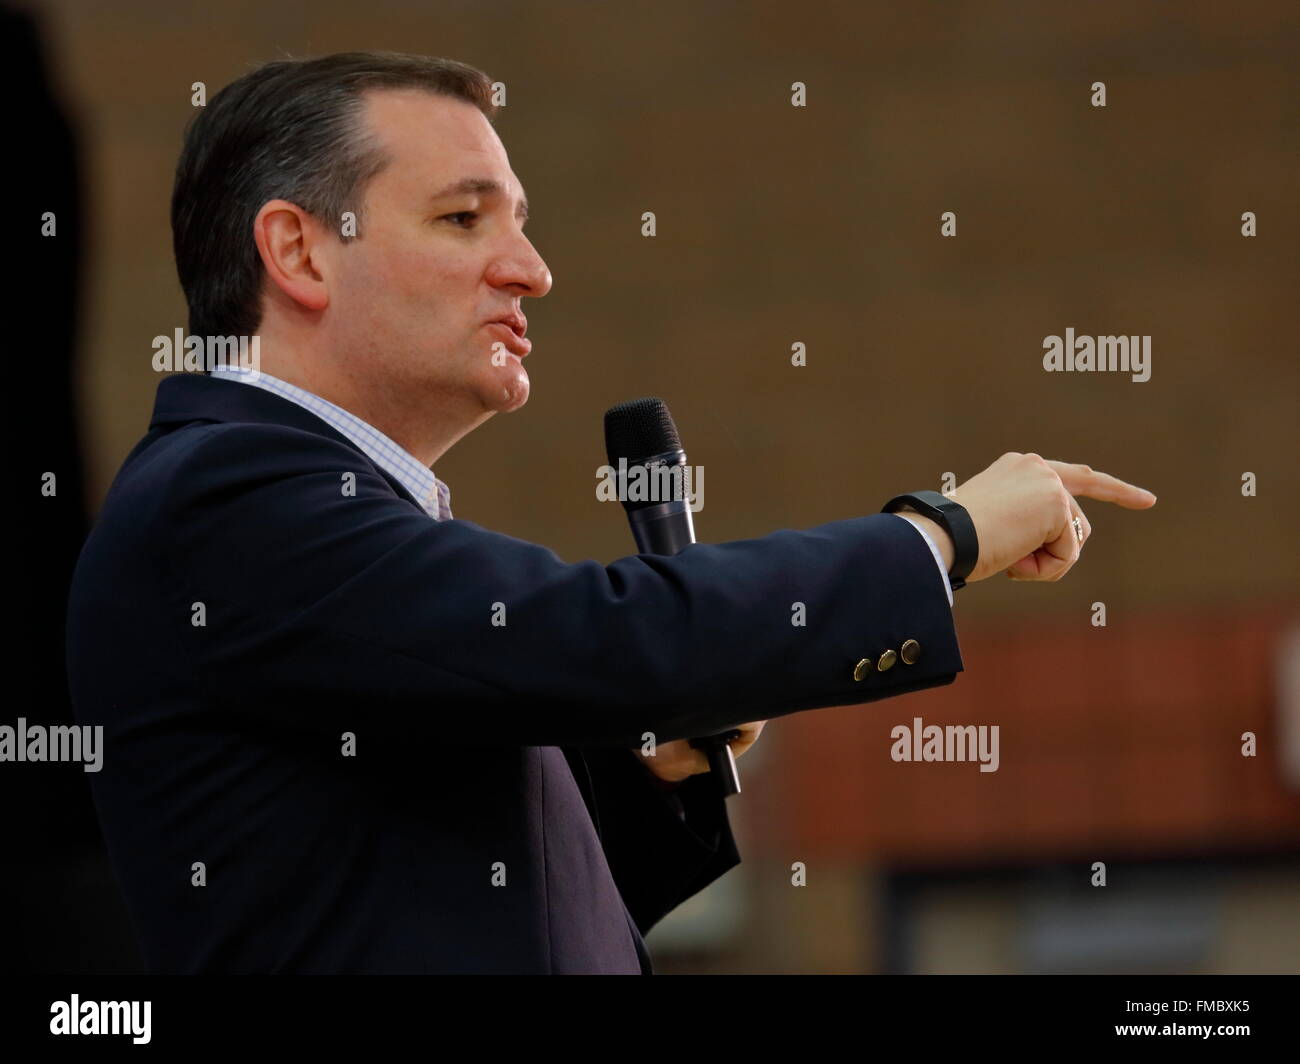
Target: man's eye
(461, 214)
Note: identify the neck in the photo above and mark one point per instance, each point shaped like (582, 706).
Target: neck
(426, 425)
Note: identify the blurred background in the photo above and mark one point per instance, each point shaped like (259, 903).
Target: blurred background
(817, 225)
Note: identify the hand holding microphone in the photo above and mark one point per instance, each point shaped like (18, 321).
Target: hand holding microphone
(641, 433)
(680, 759)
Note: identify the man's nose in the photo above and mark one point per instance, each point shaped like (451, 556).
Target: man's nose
(522, 266)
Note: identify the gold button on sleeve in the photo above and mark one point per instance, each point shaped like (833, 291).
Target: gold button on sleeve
(910, 651)
(887, 660)
(861, 669)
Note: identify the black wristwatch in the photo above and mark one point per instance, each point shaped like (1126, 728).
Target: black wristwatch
(955, 521)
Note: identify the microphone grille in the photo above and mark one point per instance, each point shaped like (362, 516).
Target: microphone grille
(639, 429)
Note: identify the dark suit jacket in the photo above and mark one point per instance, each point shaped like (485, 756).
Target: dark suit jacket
(237, 609)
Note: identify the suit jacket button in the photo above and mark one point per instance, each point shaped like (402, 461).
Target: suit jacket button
(910, 651)
(861, 669)
(887, 660)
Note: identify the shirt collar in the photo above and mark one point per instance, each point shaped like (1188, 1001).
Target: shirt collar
(417, 478)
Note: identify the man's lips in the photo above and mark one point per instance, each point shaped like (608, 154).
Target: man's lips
(513, 342)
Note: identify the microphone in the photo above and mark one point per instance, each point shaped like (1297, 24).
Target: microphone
(641, 443)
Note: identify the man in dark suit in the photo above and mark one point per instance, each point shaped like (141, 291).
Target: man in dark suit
(345, 731)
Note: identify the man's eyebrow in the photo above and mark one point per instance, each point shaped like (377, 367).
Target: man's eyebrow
(483, 186)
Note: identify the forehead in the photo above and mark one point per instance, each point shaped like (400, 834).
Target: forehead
(428, 137)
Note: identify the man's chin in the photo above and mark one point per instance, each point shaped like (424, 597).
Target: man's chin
(508, 390)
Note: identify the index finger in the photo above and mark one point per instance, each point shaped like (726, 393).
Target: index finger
(1093, 484)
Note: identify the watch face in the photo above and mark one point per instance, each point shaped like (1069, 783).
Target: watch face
(941, 502)
(921, 504)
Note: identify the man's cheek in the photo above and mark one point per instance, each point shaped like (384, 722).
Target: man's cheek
(419, 281)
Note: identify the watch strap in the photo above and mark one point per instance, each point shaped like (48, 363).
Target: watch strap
(954, 519)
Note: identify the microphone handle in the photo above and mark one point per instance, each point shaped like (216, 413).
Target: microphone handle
(717, 748)
(660, 530)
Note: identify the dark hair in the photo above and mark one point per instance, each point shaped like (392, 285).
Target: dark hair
(291, 129)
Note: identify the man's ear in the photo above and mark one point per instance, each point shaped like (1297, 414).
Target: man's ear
(288, 240)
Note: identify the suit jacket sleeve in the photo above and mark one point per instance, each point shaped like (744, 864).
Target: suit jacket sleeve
(323, 588)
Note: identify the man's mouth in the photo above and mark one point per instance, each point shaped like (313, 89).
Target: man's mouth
(511, 331)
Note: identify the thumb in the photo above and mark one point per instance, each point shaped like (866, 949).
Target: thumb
(1042, 565)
